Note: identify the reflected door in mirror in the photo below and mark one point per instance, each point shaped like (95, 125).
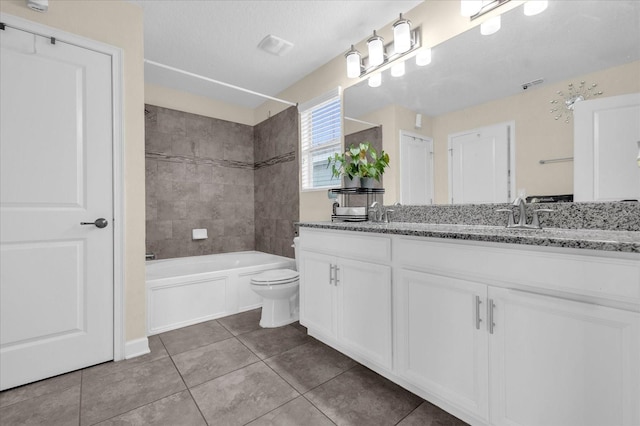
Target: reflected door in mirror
(606, 136)
(480, 165)
(416, 169)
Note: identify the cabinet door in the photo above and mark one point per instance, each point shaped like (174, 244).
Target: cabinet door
(317, 293)
(364, 307)
(442, 347)
(558, 362)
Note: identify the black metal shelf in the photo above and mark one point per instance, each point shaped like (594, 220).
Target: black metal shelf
(370, 193)
(357, 191)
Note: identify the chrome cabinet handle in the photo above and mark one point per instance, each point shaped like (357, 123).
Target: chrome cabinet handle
(478, 320)
(330, 274)
(335, 276)
(98, 223)
(490, 307)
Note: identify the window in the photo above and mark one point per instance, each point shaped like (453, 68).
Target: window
(321, 137)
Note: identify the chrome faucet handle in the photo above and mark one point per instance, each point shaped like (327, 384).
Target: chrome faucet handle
(535, 222)
(510, 222)
(385, 215)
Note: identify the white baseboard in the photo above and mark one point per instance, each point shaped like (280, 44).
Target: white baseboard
(137, 347)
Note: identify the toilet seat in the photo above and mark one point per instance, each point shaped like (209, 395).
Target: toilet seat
(275, 277)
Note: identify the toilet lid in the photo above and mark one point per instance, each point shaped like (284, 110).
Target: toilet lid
(275, 276)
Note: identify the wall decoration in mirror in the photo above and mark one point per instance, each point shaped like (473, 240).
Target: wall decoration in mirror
(564, 106)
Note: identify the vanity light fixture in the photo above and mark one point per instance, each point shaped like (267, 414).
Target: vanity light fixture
(397, 70)
(375, 80)
(565, 105)
(354, 62)
(490, 26)
(401, 35)
(375, 45)
(406, 41)
(423, 57)
(533, 7)
(469, 8)
(479, 7)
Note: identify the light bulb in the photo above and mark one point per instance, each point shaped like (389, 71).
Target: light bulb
(423, 57)
(401, 35)
(490, 26)
(376, 50)
(397, 70)
(534, 7)
(470, 7)
(353, 63)
(375, 80)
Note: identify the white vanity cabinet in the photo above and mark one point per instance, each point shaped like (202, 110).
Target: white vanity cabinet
(317, 295)
(345, 301)
(558, 362)
(491, 332)
(442, 339)
(496, 334)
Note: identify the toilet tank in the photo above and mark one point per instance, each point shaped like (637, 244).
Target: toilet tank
(296, 249)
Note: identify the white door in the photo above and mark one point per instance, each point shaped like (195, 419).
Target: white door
(56, 299)
(364, 307)
(442, 338)
(606, 145)
(559, 362)
(481, 165)
(416, 169)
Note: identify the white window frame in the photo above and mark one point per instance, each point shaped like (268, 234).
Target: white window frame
(306, 134)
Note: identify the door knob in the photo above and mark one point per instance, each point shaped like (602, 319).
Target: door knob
(99, 223)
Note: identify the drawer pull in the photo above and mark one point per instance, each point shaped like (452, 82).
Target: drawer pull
(478, 320)
(490, 307)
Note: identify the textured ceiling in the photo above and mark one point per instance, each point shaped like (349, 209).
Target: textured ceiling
(219, 39)
(570, 38)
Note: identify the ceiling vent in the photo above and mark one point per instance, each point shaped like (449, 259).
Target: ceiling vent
(275, 45)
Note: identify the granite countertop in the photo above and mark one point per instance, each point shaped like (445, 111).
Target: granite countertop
(617, 241)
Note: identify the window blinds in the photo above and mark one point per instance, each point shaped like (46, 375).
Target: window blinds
(321, 137)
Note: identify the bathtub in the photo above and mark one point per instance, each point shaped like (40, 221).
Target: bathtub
(189, 290)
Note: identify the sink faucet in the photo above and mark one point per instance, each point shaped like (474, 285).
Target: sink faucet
(521, 203)
(375, 212)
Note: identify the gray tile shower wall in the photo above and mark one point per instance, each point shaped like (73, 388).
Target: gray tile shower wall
(276, 189)
(199, 174)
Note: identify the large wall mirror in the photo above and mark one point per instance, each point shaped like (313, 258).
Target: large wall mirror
(476, 82)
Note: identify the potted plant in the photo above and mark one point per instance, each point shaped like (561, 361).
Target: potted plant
(373, 167)
(359, 164)
(342, 165)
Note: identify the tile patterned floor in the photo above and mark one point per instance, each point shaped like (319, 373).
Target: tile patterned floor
(223, 372)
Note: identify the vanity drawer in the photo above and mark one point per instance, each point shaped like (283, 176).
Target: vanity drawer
(591, 273)
(353, 245)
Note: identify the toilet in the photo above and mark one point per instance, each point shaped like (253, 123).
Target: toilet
(279, 291)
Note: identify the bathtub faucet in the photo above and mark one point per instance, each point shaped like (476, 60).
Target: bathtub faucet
(150, 256)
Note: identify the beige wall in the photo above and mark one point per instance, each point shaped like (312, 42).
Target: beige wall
(119, 24)
(194, 104)
(537, 135)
